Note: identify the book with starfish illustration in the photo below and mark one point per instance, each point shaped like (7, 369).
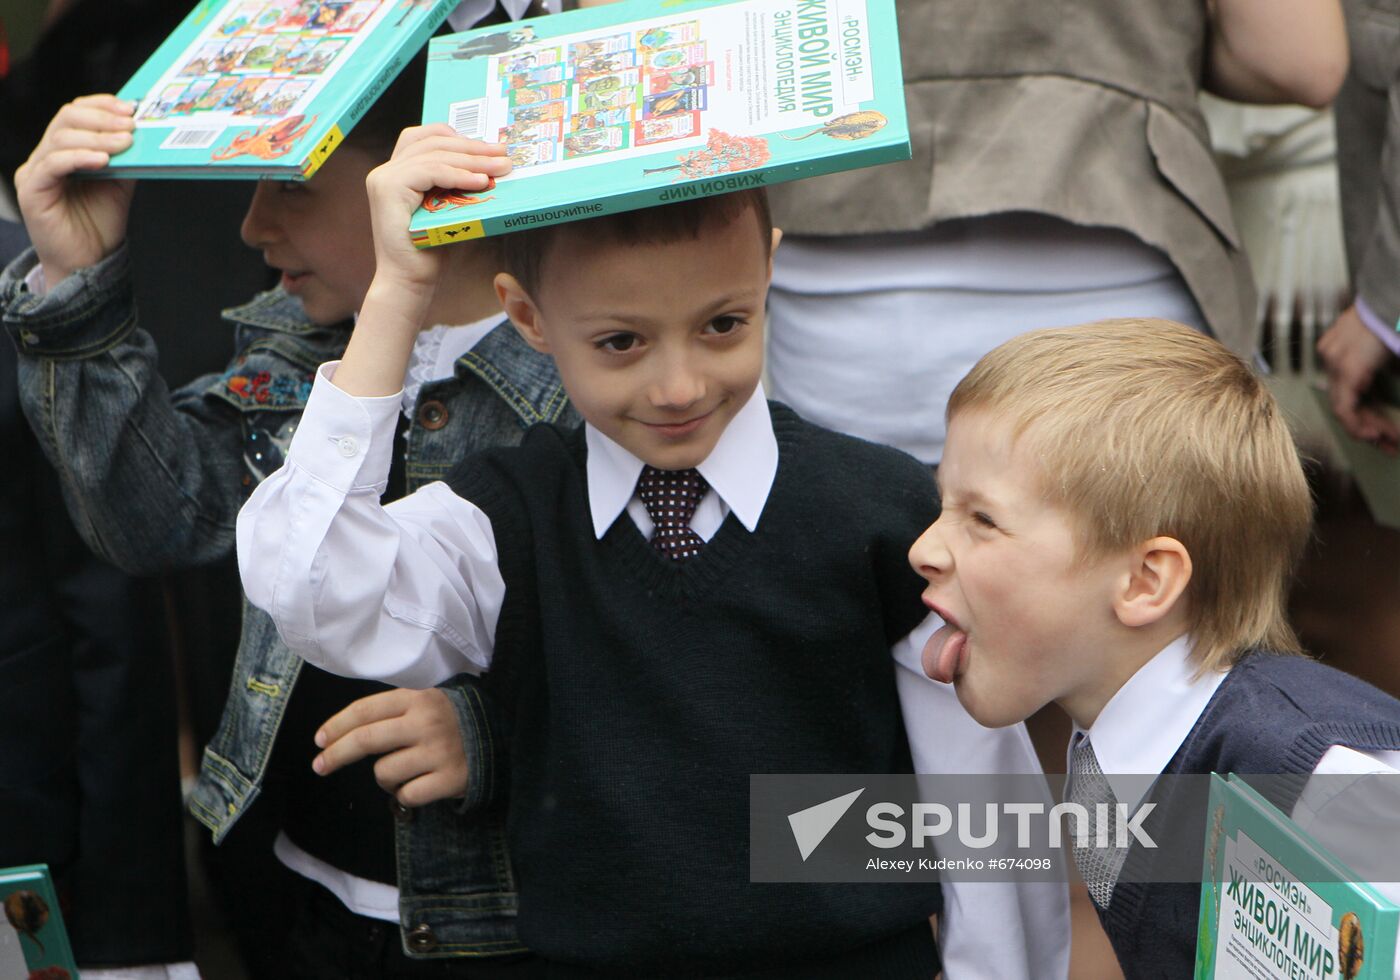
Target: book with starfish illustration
(33, 942)
(1276, 903)
(643, 102)
(267, 88)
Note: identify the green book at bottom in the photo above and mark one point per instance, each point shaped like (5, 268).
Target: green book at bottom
(1276, 903)
(33, 941)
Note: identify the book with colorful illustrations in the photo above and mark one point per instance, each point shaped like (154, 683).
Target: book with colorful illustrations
(267, 88)
(33, 942)
(1276, 903)
(643, 102)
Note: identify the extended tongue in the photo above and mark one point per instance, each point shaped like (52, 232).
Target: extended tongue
(943, 654)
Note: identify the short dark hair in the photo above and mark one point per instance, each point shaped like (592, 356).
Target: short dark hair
(522, 253)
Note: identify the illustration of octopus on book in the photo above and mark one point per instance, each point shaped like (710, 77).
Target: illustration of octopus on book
(267, 142)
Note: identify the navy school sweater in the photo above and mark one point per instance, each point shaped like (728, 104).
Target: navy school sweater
(640, 693)
(1271, 714)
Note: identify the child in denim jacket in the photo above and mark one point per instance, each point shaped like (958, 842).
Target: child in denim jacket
(154, 479)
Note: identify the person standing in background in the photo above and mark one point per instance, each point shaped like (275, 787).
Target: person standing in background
(1061, 173)
(87, 721)
(1365, 339)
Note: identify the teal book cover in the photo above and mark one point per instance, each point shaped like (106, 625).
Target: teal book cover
(645, 102)
(1275, 903)
(33, 941)
(267, 88)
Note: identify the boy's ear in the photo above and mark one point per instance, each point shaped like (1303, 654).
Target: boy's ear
(1158, 573)
(777, 240)
(521, 309)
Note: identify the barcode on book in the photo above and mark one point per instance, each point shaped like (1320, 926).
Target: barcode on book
(191, 139)
(467, 118)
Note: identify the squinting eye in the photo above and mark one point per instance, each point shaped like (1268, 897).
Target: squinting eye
(724, 325)
(618, 343)
(983, 519)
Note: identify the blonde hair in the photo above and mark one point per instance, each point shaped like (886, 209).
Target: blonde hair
(1144, 428)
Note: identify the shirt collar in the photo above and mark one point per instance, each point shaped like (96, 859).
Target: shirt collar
(1145, 722)
(741, 468)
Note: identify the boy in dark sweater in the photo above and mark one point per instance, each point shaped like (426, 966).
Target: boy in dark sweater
(692, 587)
(1122, 508)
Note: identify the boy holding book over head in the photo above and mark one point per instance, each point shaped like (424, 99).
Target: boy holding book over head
(693, 586)
(1122, 508)
(155, 478)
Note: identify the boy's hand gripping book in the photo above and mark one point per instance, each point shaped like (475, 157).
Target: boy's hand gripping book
(645, 102)
(267, 88)
(1275, 903)
(33, 942)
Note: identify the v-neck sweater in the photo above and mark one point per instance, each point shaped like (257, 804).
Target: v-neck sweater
(1274, 715)
(640, 693)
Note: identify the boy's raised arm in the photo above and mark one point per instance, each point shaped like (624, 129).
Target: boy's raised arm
(406, 278)
(75, 224)
(131, 455)
(407, 594)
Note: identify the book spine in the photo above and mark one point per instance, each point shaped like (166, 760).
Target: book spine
(466, 230)
(352, 112)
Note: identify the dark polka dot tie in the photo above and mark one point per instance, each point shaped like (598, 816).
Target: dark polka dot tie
(670, 497)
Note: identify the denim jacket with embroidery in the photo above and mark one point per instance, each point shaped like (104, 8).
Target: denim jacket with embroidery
(154, 480)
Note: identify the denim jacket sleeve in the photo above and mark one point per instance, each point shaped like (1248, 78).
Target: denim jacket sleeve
(482, 740)
(149, 475)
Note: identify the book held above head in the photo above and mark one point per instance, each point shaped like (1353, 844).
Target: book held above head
(267, 88)
(635, 104)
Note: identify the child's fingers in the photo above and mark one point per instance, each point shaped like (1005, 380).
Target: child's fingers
(396, 768)
(422, 139)
(108, 141)
(429, 789)
(466, 162)
(90, 117)
(421, 176)
(105, 99)
(452, 177)
(415, 134)
(361, 712)
(50, 169)
(489, 158)
(359, 743)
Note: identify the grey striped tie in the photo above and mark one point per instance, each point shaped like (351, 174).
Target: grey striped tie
(1089, 787)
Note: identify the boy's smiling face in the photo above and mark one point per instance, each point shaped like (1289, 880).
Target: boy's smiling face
(1029, 622)
(658, 344)
(317, 234)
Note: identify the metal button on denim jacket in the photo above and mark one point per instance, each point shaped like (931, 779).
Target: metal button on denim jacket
(160, 485)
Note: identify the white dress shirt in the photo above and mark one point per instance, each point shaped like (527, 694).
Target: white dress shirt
(410, 594)
(1142, 726)
(434, 356)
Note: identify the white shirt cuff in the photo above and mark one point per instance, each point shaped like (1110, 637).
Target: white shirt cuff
(344, 441)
